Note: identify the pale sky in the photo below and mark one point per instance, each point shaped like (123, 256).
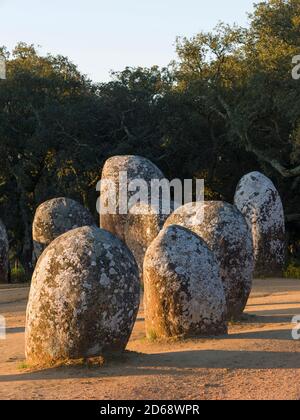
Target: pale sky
(101, 35)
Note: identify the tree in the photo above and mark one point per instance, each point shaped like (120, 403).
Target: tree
(227, 106)
(45, 106)
(242, 78)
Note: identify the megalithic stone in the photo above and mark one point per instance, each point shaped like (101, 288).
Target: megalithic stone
(225, 231)
(144, 223)
(134, 168)
(84, 298)
(54, 218)
(260, 203)
(184, 295)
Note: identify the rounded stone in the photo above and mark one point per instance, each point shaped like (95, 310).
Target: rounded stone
(227, 234)
(144, 222)
(259, 201)
(184, 296)
(4, 250)
(54, 218)
(84, 298)
(135, 168)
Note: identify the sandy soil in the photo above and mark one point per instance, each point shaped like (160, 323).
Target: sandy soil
(258, 360)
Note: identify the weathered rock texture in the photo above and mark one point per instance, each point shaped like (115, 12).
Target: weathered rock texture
(54, 218)
(84, 298)
(227, 234)
(137, 168)
(4, 264)
(184, 296)
(259, 201)
(143, 225)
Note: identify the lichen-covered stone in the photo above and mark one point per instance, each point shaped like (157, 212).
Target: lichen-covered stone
(184, 295)
(54, 218)
(84, 298)
(4, 264)
(227, 234)
(259, 201)
(143, 224)
(136, 167)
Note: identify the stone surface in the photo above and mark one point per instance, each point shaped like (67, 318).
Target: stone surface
(227, 234)
(259, 201)
(54, 218)
(137, 168)
(184, 296)
(84, 298)
(4, 249)
(143, 225)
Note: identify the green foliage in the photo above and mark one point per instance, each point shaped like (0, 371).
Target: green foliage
(23, 366)
(293, 270)
(18, 275)
(46, 114)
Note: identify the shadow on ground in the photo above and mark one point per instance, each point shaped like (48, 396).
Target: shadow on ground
(174, 363)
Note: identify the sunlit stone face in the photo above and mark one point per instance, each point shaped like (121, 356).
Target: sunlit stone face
(2, 68)
(183, 291)
(225, 231)
(260, 203)
(84, 298)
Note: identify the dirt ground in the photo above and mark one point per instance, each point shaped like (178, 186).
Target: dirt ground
(258, 360)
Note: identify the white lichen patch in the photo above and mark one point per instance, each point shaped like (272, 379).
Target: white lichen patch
(77, 309)
(227, 234)
(184, 295)
(259, 201)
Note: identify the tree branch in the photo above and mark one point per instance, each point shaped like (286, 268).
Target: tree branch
(284, 172)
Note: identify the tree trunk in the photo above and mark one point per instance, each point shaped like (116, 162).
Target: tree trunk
(26, 253)
(27, 247)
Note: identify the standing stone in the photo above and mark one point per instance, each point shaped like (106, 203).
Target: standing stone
(4, 260)
(184, 296)
(259, 201)
(226, 233)
(136, 167)
(84, 298)
(143, 224)
(55, 217)
(2, 67)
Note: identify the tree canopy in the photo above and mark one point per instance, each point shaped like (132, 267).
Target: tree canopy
(226, 106)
